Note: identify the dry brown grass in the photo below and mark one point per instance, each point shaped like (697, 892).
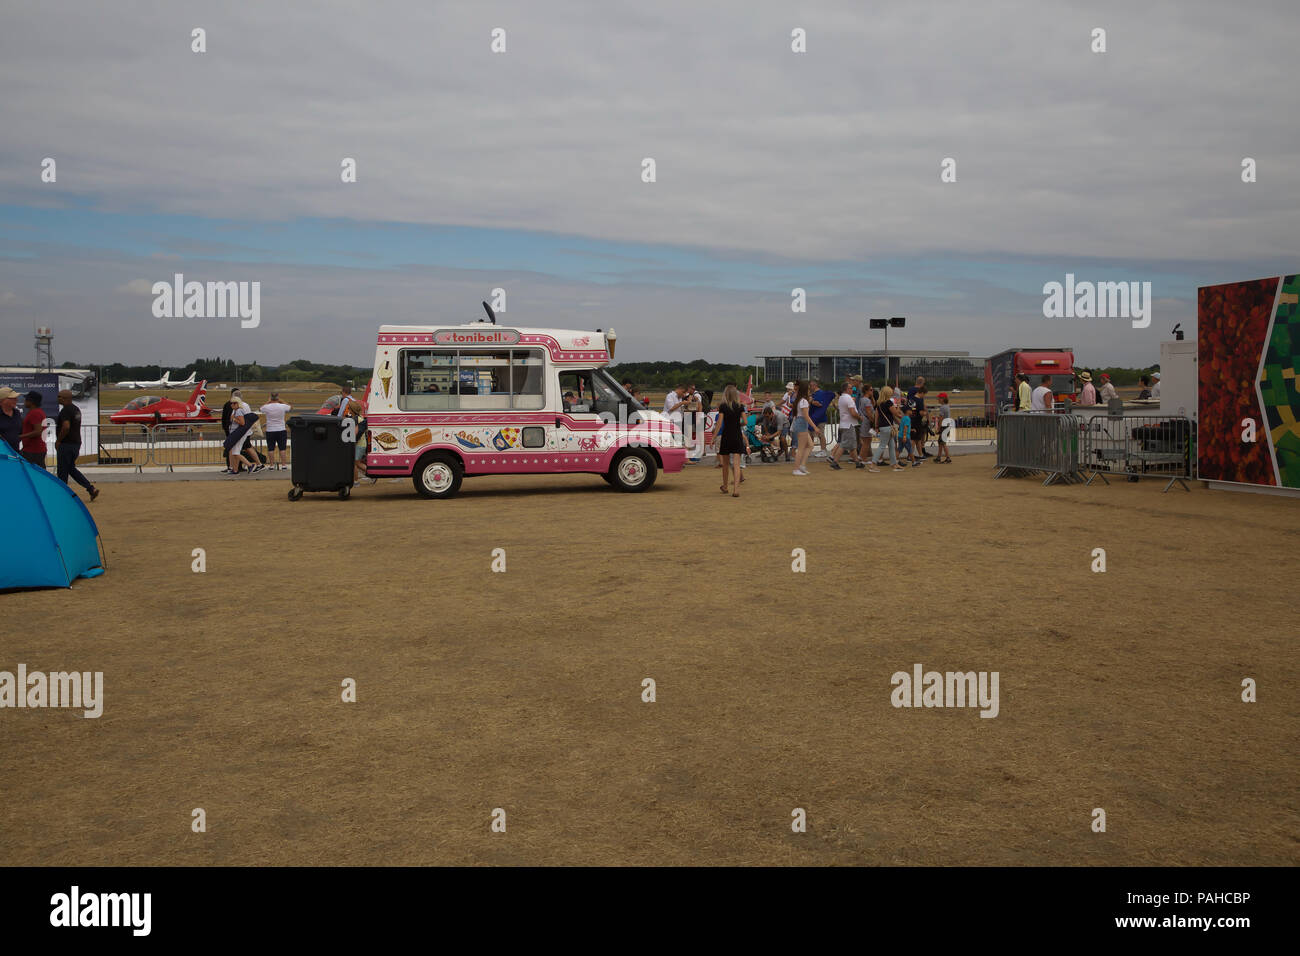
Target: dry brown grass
(522, 690)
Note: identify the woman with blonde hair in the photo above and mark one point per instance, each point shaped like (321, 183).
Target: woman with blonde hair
(886, 427)
(802, 429)
(729, 436)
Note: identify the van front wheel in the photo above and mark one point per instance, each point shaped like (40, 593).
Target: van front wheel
(438, 476)
(633, 471)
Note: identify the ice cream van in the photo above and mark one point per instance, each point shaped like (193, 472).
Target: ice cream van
(450, 401)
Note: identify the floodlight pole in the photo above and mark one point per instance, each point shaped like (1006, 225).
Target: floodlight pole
(901, 321)
(882, 324)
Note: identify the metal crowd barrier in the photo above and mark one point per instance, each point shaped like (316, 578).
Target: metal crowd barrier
(124, 445)
(1136, 446)
(168, 445)
(191, 444)
(1073, 448)
(971, 422)
(1034, 443)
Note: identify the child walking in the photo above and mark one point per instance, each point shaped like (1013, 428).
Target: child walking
(944, 414)
(905, 437)
(920, 430)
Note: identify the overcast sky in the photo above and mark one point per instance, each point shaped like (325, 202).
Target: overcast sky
(522, 170)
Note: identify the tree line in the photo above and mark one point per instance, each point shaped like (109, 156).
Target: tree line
(227, 370)
(649, 375)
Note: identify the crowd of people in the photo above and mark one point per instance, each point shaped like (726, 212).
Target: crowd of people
(25, 434)
(1026, 398)
(244, 428)
(794, 427)
(898, 426)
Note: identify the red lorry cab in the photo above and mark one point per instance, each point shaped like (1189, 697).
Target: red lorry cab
(1000, 373)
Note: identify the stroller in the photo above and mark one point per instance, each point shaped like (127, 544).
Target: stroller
(754, 433)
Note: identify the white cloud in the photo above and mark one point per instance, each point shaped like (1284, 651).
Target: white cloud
(1130, 156)
(834, 153)
(136, 287)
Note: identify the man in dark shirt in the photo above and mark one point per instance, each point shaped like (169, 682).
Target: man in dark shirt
(916, 394)
(68, 445)
(11, 421)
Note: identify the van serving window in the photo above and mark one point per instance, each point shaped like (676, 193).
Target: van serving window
(471, 379)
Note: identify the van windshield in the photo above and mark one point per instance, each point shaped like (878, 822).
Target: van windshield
(610, 393)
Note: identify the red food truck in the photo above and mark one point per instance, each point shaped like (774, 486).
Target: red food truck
(1001, 370)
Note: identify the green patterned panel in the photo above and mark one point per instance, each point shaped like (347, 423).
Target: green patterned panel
(1279, 380)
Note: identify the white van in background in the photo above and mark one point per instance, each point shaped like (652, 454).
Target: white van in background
(447, 402)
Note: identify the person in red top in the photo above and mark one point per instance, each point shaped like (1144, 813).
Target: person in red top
(33, 441)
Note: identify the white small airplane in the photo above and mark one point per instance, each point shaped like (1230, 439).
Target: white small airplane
(164, 382)
(156, 383)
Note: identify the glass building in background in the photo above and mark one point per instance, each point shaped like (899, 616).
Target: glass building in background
(834, 365)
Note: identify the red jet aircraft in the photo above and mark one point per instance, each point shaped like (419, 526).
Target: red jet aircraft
(152, 410)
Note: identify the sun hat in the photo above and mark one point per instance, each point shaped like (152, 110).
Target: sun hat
(7, 392)
(1085, 376)
(789, 384)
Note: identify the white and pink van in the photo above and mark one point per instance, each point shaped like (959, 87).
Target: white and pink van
(446, 402)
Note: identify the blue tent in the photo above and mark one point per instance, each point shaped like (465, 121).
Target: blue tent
(50, 537)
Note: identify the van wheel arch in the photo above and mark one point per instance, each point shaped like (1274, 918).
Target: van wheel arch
(625, 475)
(438, 474)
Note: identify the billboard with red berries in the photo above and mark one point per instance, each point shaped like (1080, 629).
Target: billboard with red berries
(1248, 354)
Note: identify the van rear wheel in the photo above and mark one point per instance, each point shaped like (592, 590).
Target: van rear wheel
(438, 476)
(633, 470)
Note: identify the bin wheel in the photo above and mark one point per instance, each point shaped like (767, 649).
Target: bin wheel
(438, 475)
(345, 493)
(633, 470)
(295, 493)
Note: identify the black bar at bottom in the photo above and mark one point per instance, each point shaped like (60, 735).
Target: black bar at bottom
(964, 905)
